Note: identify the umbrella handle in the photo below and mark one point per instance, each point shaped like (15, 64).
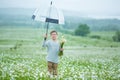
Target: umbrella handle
(46, 31)
(47, 28)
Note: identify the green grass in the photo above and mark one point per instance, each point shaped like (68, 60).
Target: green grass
(105, 35)
(23, 58)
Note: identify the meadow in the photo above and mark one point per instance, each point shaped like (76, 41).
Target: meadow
(85, 58)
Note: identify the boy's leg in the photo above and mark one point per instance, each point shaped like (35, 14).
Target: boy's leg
(50, 67)
(55, 65)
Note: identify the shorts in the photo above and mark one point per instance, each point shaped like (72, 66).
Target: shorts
(52, 68)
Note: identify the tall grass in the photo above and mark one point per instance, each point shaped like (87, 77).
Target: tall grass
(23, 58)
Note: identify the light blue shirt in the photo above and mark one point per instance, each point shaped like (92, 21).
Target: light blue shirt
(52, 49)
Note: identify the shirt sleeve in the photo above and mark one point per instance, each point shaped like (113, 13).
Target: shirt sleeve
(45, 43)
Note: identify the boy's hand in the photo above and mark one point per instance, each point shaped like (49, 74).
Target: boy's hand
(61, 49)
(45, 37)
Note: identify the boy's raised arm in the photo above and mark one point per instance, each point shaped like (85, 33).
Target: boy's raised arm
(44, 42)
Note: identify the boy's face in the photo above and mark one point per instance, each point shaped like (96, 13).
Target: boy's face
(54, 35)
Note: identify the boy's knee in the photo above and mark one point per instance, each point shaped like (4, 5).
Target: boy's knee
(49, 65)
(55, 66)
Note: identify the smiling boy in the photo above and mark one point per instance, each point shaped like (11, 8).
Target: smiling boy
(53, 47)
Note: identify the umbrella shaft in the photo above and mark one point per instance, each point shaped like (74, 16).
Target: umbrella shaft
(48, 16)
(47, 28)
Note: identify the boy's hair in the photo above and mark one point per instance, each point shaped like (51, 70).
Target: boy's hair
(53, 32)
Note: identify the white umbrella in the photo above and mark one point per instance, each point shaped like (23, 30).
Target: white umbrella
(50, 15)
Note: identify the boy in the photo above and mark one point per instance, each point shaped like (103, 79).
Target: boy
(53, 47)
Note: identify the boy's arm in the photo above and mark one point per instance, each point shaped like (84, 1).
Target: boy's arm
(44, 42)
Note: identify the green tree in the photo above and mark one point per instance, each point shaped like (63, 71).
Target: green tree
(116, 37)
(82, 30)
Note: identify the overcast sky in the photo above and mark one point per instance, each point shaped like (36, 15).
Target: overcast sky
(91, 7)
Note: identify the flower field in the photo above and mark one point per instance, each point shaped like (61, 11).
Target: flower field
(23, 58)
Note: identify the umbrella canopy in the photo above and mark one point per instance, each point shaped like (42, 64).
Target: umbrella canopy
(51, 15)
